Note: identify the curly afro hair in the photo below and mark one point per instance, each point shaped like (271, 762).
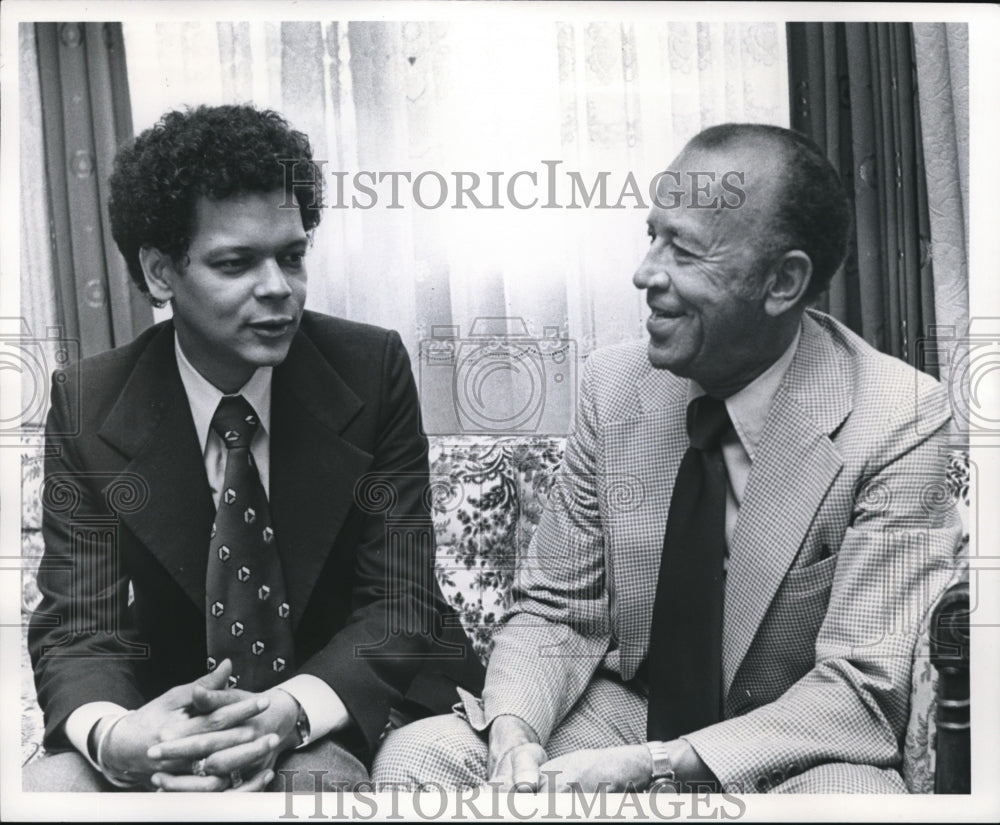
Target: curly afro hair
(215, 151)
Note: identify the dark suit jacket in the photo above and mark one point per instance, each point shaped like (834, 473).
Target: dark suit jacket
(127, 507)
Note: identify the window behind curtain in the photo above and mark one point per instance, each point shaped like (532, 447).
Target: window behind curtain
(595, 100)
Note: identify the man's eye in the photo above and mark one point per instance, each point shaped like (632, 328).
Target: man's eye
(293, 260)
(681, 252)
(230, 265)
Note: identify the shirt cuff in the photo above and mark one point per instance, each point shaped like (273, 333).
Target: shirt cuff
(323, 707)
(80, 722)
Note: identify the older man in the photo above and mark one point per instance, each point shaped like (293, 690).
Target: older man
(745, 617)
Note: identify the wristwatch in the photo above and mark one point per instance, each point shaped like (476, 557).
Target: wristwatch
(663, 776)
(302, 727)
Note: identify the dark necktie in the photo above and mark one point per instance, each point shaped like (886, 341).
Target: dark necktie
(247, 612)
(684, 664)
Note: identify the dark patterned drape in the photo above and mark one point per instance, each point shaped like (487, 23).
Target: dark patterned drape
(86, 115)
(853, 90)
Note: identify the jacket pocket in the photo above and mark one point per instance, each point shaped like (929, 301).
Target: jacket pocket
(805, 581)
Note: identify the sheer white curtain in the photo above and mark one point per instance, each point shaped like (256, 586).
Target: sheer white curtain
(599, 101)
(941, 51)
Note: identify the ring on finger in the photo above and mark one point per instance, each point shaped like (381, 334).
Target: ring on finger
(198, 767)
(235, 778)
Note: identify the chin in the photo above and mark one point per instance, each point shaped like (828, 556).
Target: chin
(275, 358)
(269, 356)
(662, 358)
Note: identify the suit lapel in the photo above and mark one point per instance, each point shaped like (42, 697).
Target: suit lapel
(151, 425)
(793, 468)
(313, 469)
(651, 447)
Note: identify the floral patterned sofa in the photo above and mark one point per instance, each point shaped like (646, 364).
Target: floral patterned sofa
(488, 496)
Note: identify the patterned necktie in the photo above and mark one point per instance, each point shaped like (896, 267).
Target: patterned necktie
(247, 612)
(684, 664)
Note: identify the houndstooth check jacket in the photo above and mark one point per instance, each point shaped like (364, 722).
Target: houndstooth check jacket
(844, 540)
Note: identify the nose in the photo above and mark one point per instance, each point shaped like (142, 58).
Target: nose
(652, 271)
(272, 283)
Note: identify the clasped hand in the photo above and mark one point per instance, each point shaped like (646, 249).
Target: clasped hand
(231, 737)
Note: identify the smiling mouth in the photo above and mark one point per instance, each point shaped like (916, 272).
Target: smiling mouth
(663, 314)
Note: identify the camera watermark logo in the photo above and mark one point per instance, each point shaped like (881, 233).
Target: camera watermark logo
(37, 359)
(969, 365)
(500, 380)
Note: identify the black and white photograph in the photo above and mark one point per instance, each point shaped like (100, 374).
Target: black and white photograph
(452, 411)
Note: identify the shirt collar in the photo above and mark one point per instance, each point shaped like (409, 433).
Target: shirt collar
(203, 396)
(749, 407)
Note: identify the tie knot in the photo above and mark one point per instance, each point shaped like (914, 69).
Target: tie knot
(235, 421)
(707, 421)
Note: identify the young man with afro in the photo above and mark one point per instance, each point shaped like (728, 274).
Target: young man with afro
(252, 615)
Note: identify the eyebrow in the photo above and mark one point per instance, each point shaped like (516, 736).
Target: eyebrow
(677, 233)
(252, 248)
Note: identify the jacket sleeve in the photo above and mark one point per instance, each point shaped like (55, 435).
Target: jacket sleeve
(80, 637)
(895, 560)
(558, 629)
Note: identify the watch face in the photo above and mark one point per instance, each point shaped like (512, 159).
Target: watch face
(302, 727)
(666, 784)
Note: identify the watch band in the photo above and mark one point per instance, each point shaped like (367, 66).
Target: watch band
(663, 774)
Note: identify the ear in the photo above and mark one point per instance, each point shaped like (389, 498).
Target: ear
(787, 282)
(159, 270)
